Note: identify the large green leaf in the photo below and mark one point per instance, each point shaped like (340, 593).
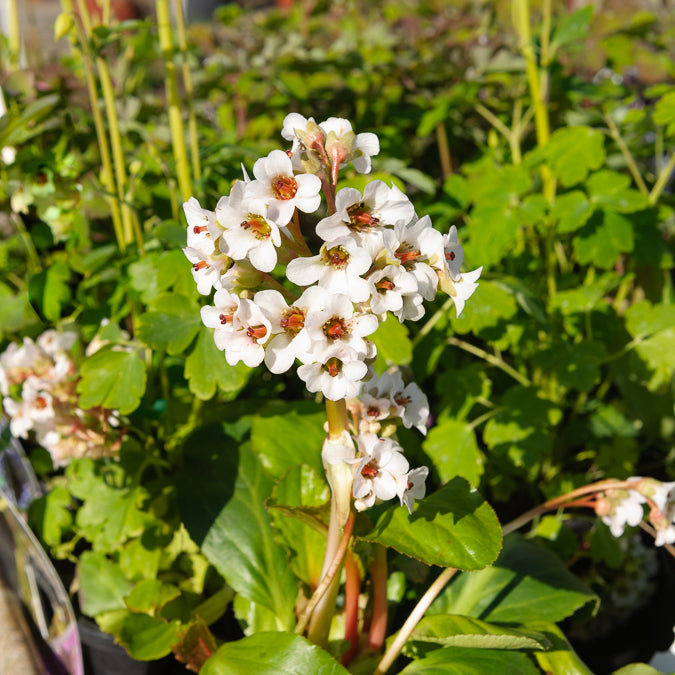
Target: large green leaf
(572, 152)
(112, 379)
(302, 486)
(453, 527)
(145, 637)
(467, 661)
(453, 449)
(392, 342)
(49, 291)
(603, 239)
(288, 436)
(272, 654)
(440, 630)
(221, 491)
(561, 659)
(527, 583)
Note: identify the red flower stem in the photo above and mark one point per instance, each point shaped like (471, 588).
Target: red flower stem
(564, 500)
(378, 623)
(328, 578)
(352, 590)
(296, 233)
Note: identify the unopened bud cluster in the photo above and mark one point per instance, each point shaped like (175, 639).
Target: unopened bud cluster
(38, 381)
(278, 301)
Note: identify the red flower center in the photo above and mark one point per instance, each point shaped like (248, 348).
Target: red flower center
(284, 187)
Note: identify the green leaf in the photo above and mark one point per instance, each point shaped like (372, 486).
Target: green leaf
(527, 583)
(49, 290)
(102, 584)
(493, 231)
(572, 210)
(272, 654)
(392, 342)
(147, 638)
(574, 151)
(452, 448)
(16, 312)
(576, 366)
(643, 318)
(664, 110)
(149, 595)
(610, 189)
(572, 27)
(453, 527)
(171, 323)
(493, 305)
(207, 370)
(462, 631)
(561, 659)
(301, 486)
(291, 437)
(603, 239)
(467, 661)
(50, 515)
(112, 379)
(226, 516)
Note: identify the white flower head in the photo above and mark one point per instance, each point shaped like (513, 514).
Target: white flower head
(281, 190)
(454, 254)
(201, 234)
(620, 507)
(250, 331)
(343, 146)
(220, 316)
(460, 291)
(207, 268)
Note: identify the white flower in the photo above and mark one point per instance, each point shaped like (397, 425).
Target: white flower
(207, 268)
(337, 268)
(337, 449)
(454, 254)
(332, 321)
(248, 231)
(336, 373)
(381, 473)
(357, 149)
(460, 291)
(250, 330)
(619, 508)
(220, 316)
(200, 229)
(290, 336)
(415, 488)
(361, 217)
(388, 287)
(281, 190)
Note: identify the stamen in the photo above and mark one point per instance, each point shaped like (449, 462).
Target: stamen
(337, 257)
(258, 225)
(407, 256)
(333, 366)
(369, 471)
(385, 285)
(284, 187)
(198, 229)
(225, 318)
(450, 256)
(293, 320)
(200, 265)
(256, 332)
(335, 328)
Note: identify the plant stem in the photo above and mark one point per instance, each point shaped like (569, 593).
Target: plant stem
(435, 318)
(521, 19)
(627, 155)
(415, 616)
(14, 35)
(173, 99)
(491, 359)
(378, 624)
(352, 590)
(661, 181)
(338, 420)
(326, 582)
(443, 149)
(189, 91)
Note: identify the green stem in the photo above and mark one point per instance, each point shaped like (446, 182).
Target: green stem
(521, 19)
(189, 91)
(14, 35)
(107, 175)
(627, 155)
(34, 263)
(491, 359)
(664, 175)
(338, 419)
(443, 149)
(173, 98)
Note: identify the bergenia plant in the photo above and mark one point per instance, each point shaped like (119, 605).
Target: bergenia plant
(308, 294)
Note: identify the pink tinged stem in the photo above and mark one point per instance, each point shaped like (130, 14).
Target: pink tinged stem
(296, 233)
(352, 590)
(378, 575)
(329, 192)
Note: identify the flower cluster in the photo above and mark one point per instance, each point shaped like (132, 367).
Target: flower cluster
(380, 470)
(625, 506)
(37, 381)
(278, 301)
